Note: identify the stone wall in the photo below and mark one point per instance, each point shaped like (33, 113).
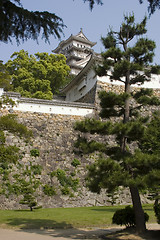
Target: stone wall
(109, 87)
(54, 137)
(90, 96)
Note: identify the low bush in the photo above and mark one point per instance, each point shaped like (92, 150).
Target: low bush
(34, 152)
(75, 162)
(126, 217)
(49, 190)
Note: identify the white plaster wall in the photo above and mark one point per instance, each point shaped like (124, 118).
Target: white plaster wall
(154, 83)
(74, 94)
(84, 45)
(53, 109)
(1, 91)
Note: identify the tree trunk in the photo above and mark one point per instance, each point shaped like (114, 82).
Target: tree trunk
(139, 213)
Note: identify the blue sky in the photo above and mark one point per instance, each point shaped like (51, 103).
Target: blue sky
(95, 23)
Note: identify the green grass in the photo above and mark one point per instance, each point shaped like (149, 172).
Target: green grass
(62, 217)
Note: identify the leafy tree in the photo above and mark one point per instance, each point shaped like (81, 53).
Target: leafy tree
(5, 78)
(39, 75)
(122, 162)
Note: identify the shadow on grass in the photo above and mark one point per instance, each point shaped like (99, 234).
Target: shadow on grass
(27, 223)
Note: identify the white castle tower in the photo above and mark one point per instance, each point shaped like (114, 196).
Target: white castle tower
(77, 49)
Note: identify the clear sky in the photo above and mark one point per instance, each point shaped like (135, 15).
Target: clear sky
(76, 14)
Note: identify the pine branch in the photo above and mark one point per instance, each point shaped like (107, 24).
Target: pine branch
(23, 24)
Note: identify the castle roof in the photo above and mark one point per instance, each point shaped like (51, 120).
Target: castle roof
(80, 37)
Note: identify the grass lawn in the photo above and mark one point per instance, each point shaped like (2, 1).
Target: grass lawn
(63, 217)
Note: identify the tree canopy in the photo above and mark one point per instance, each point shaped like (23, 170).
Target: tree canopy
(123, 161)
(39, 75)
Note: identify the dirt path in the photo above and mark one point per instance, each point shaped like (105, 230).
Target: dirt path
(57, 234)
(60, 234)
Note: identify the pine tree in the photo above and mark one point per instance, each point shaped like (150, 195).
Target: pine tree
(123, 163)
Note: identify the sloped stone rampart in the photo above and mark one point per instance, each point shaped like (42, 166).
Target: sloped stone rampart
(54, 137)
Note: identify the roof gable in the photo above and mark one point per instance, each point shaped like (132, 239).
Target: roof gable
(81, 35)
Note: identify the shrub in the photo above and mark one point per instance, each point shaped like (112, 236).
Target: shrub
(65, 190)
(126, 217)
(29, 200)
(34, 152)
(75, 162)
(10, 123)
(36, 169)
(67, 182)
(49, 190)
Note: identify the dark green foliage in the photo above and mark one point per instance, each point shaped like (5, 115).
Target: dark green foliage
(7, 101)
(67, 182)
(29, 200)
(2, 137)
(82, 145)
(150, 142)
(5, 78)
(153, 5)
(75, 162)
(126, 217)
(8, 154)
(93, 126)
(35, 152)
(23, 24)
(92, 2)
(110, 102)
(36, 169)
(113, 196)
(10, 123)
(28, 184)
(65, 190)
(49, 190)
(157, 212)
